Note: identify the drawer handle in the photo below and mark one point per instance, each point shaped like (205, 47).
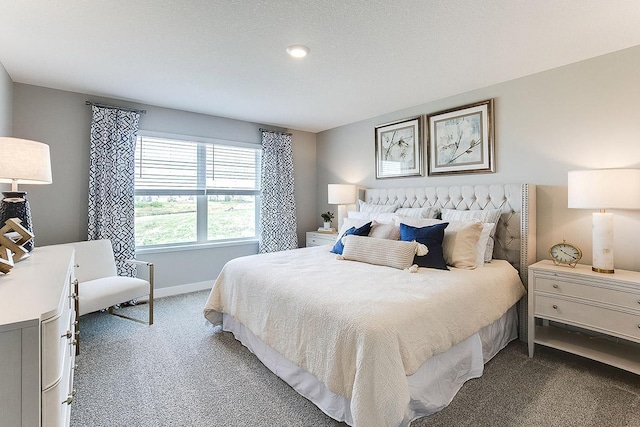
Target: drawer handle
(73, 296)
(69, 398)
(69, 334)
(555, 286)
(74, 342)
(555, 307)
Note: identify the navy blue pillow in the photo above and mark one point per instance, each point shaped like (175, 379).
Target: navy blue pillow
(430, 236)
(362, 231)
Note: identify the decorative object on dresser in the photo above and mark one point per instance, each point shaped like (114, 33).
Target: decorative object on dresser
(13, 238)
(327, 217)
(317, 238)
(99, 285)
(399, 149)
(22, 162)
(564, 253)
(605, 308)
(604, 189)
(37, 338)
(461, 140)
(341, 195)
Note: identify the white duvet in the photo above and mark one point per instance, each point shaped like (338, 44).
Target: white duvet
(360, 329)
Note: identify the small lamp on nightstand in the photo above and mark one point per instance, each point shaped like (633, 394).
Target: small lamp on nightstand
(604, 189)
(21, 162)
(341, 195)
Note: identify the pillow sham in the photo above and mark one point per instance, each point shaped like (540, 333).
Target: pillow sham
(487, 215)
(425, 212)
(384, 231)
(460, 244)
(482, 243)
(361, 231)
(389, 253)
(347, 223)
(370, 207)
(431, 236)
(386, 217)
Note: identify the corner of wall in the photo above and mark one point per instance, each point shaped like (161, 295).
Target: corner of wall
(6, 102)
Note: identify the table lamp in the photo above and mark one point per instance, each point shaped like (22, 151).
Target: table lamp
(341, 195)
(604, 189)
(22, 162)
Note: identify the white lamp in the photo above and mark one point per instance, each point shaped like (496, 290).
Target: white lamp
(604, 189)
(22, 162)
(341, 195)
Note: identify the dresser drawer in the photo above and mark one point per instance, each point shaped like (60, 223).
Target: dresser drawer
(619, 323)
(585, 291)
(56, 409)
(57, 334)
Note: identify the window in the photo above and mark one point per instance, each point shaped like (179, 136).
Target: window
(195, 191)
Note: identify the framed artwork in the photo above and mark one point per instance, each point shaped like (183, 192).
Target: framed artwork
(461, 140)
(399, 149)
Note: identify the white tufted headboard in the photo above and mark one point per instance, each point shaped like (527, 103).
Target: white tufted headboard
(515, 232)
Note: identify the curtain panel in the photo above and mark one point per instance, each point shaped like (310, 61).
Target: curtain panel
(111, 181)
(278, 222)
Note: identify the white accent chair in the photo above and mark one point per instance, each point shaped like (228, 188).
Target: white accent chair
(99, 285)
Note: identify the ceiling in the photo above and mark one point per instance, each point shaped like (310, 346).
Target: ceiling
(368, 57)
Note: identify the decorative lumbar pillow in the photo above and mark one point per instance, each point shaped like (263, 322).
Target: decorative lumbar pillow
(431, 236)
(384, 231)
(486, 215)
(370, 207)
(389, 253)
(460, 244)
(425, 212)
(361, 231)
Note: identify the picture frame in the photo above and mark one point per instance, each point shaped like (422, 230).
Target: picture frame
(461, 140)
(399, 149)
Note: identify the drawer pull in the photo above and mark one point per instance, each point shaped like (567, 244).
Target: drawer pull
(74, 342)
(69, 398)
(555, 307)
(73, 296)
(69, 334)
(555, 286)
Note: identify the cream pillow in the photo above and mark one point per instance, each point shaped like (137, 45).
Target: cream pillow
(425, 212)
(482, 243)
(390, 253)
(486, 215)
(382, 217)
(370, 207)
(384, 231)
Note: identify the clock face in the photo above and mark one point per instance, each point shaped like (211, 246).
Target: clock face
(565, 253)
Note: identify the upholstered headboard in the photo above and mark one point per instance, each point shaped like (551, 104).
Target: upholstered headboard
(515, 232)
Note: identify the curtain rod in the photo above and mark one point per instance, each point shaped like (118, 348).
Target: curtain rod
(113, 107)
(275, 131)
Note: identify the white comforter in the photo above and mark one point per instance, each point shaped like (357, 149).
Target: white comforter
(359, 328)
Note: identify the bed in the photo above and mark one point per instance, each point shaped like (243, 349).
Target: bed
(372, 345)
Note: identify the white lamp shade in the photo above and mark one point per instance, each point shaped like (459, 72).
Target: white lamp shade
(341, 194)
(604, 189)
(24, 162)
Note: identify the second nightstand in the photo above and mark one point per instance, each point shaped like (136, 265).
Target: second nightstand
(316, 238)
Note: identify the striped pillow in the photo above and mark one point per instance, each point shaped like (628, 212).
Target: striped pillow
(390, 253)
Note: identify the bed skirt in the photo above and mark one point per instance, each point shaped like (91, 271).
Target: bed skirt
(431, 388)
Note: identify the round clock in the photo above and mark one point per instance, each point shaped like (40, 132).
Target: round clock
(565, 254)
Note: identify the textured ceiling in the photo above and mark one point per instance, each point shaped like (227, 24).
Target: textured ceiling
(368, 57)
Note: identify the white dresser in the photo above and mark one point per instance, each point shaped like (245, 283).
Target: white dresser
(316, 238)
(37, 339)
(606, 305)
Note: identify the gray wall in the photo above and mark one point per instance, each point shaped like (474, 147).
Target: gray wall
(62, 120)
(581, 116)
(6, 102)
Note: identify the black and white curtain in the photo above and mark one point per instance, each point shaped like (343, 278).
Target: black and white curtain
(111, 181)
(278, 205)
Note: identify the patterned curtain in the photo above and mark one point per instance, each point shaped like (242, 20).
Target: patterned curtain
(111, 181)
(277, 204)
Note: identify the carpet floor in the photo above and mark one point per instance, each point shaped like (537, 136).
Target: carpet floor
(183, 372)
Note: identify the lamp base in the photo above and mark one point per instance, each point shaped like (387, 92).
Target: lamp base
(16, 205)
(602, 243)
(601, 270)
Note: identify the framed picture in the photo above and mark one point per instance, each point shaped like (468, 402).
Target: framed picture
(399, 149)
(461, 140)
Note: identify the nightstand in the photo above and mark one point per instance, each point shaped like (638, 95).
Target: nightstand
(607, 306)
(316, 238)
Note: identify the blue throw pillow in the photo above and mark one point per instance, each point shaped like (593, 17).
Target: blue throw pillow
(362, 231)
(430, 236)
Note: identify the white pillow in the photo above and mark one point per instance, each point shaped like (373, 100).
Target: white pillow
(384, 217)
(391, 253)
(460, 244)
(482, 243)
(384, 231)
(351, 222)
(426, 212)
(487, 215)
(370, 207)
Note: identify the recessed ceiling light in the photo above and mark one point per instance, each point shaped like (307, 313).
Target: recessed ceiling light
(297, 51)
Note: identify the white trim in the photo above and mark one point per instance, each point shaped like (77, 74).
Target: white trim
(192, 138)
(177, 247)
(182, 289)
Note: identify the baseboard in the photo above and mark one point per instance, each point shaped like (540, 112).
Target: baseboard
(182, 289)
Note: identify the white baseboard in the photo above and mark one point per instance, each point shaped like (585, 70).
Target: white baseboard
(182, 289)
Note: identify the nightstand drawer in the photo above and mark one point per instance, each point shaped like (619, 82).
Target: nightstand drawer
(603, 319)
(609, 295)
(318, 239)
